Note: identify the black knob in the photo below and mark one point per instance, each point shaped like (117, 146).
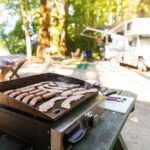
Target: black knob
(93, 120)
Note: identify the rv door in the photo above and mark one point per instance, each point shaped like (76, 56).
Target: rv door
(131, 52)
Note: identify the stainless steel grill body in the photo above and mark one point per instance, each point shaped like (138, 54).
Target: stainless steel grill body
(56, 131)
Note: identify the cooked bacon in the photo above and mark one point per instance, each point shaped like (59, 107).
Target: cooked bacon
(41, 93)
(38, 84)
(27, 98)
(67, 103)
(49, 104)
(51, 83)
(8, 92)
(41, 87)
(78, 89)
(48, 95)
(93, 90)
(14, 94)
(54, 87)
(35, 91)
(21, 96)
(70, 92)
(35, 100)
(50, 90)
(67, 93)
(29, 89)
(66, 85)
(53, 90)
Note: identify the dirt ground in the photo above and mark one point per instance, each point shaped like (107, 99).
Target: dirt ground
(137, 128)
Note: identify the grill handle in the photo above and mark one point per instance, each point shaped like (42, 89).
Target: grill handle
(77, 136)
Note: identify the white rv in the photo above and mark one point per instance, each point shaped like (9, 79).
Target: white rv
(130, 42)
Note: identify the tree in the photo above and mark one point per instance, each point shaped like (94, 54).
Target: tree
(143, 8)
(58, 27)
(44, 25)
(58, 19)
(26, 29)
(63, 17)
(18, 38)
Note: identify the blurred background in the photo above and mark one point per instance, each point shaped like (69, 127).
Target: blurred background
(32, 26)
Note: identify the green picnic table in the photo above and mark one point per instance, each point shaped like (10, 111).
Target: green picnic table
(106, 135)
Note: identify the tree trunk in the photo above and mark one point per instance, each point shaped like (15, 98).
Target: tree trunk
(26, 30)
(58, 44)
(44, 25)
(143, 8)
(63, 14)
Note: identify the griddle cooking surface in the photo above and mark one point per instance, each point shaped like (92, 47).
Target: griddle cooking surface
(19, 94)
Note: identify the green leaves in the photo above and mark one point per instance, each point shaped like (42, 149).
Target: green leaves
(81, 13)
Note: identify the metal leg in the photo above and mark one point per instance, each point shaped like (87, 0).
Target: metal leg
(120, 144)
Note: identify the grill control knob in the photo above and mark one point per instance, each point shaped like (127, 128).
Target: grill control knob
(91, 119)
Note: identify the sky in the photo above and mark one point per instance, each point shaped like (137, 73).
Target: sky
(6, 17)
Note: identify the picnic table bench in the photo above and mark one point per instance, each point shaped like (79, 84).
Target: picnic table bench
(11, 63)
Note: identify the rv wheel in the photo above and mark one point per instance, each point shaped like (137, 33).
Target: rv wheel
(141, 66)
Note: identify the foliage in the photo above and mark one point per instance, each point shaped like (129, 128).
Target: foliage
(80, 14)
(15, 39)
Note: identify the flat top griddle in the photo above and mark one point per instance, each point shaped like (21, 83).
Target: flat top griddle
(54, 113)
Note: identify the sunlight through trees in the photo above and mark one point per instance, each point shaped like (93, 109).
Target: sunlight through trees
(56, 24)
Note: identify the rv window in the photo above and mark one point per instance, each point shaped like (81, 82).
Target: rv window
(130, 43)
(129, 26)
(145, 41)
(133, 42)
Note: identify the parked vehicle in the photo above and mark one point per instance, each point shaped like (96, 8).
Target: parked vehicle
(129, 44)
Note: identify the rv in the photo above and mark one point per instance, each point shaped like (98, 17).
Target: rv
(129, 44)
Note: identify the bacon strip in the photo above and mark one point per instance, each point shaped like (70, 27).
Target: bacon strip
(48, 95)
(54, 87)
(21, 96)
(27, 98)
(51, 83)
(49, 104)
(35, 91)
(35, 100)
(8, 92)
(67, 103)
(14, 94)
(85, 91)
(67, 93)
(70, 92)
(66, 85)
(29, 89)
(41, 93)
